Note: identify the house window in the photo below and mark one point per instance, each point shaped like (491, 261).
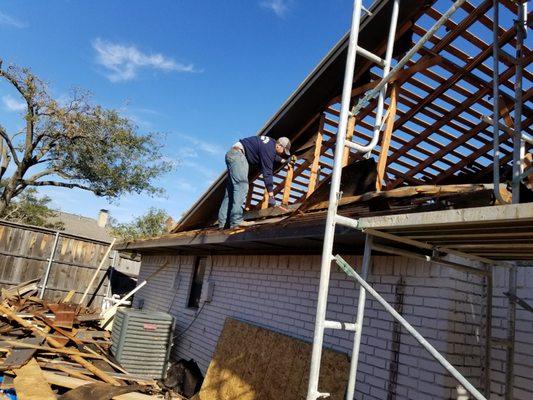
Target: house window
(197, 280)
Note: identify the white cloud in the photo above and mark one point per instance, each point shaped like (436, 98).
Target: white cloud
(8, 20)
(12, 104)
(123, 62)
(187, 152)
(279, 7)
(203, 145)
(207, 172)
(184, 186)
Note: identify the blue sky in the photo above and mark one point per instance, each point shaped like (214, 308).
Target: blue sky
(203, 73)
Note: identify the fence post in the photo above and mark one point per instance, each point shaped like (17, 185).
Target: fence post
(49, 266)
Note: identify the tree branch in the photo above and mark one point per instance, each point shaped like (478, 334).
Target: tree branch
(6, 137)
(38, 175)
(13, 80)
(4, 159)
(58, 184)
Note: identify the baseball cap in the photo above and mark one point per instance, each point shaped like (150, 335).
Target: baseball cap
(286, 144)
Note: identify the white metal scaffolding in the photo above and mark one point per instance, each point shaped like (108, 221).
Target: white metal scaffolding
(333, 218)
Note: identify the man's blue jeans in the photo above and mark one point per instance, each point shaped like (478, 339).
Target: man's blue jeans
(231, 210)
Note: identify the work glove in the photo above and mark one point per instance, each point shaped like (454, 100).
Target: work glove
(271, 202)
(292, 160)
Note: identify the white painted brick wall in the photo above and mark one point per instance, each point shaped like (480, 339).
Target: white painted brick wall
(279, 292)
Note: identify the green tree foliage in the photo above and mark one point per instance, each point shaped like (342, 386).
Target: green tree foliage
(74, 144)
(154, 223)
(32, 209)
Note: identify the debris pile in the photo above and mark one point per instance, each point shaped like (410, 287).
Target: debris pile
(58, 351)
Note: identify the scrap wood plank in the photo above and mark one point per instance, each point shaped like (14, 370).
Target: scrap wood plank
(21, 355)
(98, 391)
(72, 372)
(35, 347)
(54, 343)
(69, 296)
(102, 262)
(20, 289)
(54, 364)
(30, 383)
(252, 363)
(79, 342)
(408, 191)
(71, 383)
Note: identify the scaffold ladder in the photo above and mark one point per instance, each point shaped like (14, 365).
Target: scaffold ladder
(333, 218)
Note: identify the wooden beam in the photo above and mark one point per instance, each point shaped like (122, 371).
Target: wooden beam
(69, 382)
(349, 136)
(482, 150)
(249, 196)
(288, 184)
(316, 158)
(264, 202)
(452, 145)
(385, 141)
(450, 82)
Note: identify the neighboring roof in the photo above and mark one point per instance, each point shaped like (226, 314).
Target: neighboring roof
(79, 225)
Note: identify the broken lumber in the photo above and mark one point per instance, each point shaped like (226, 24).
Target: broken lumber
(30, 383)
(18, 357)
(98, 391)
(90, 285)
(54, 343)
(27, 345)
(71, 383)
(405, 192)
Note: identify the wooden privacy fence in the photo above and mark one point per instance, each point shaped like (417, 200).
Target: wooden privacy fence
(25, 253)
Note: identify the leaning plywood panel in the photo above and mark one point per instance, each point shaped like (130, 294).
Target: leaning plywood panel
(252, 363)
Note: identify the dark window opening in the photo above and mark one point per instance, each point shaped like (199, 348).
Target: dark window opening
(197, 281)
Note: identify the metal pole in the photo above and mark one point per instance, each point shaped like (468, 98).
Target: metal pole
(106, 303)
(334, 196)
(488, 330)
(518, 143)
(496, 100)
(509, 373)
(450, 368)
(359, 319)
(383, 91)
(49, 266)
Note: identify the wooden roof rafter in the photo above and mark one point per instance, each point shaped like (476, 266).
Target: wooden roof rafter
(437, 135)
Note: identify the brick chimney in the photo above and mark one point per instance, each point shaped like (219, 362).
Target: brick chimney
(169, 224)
(103, 216)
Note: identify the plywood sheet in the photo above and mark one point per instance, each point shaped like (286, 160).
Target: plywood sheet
(253, 363)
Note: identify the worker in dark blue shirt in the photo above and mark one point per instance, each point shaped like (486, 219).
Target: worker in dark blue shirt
(257, 151)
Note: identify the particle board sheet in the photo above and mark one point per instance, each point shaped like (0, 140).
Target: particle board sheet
(254, 363)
